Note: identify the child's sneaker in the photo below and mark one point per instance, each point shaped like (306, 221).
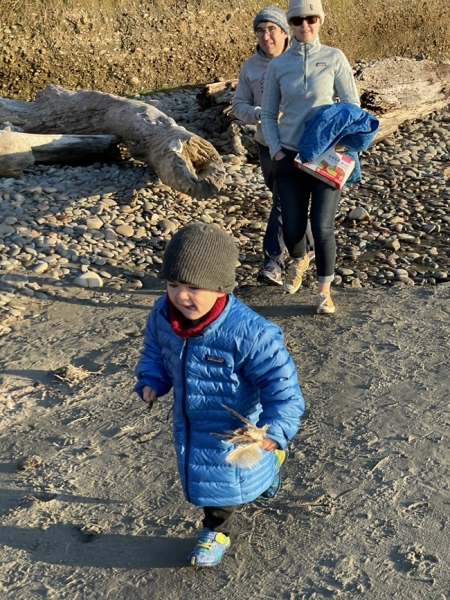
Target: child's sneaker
(210, 548)
(281, 457)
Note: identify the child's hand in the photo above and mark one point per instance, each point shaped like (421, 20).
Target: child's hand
(269, 444)
(149, 395)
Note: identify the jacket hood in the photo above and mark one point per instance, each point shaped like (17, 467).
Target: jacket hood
(260, 56)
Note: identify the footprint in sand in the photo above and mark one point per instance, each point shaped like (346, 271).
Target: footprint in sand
(28, 463)
(88, 532)
(417, 510)
(269, 549)
(415, 561)
(381, 529)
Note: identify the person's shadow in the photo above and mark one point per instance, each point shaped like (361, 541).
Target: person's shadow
(68, 545)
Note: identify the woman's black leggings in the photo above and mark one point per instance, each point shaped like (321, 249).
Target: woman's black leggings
(301, 193)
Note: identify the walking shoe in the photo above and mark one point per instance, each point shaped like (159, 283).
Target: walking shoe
(210, 548)
(325, 305)
(311, 254)
(271, 275)
(281, 457)
(294, 275)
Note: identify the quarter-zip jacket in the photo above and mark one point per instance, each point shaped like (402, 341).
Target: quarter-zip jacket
(238, 360)
(249, 91)
(302, 79)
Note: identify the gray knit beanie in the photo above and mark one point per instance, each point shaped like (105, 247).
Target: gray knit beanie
(305, 8)
(203, 255)
(273, 14)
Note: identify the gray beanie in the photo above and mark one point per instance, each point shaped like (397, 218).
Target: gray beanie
(203, 255)
(273, 14)
(305, 8)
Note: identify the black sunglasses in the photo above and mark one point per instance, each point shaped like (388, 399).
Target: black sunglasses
(297, 21)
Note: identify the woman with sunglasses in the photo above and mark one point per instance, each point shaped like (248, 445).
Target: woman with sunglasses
(303, 79)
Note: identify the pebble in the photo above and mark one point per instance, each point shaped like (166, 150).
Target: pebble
(94, 223)
(89, 279)
(97, 226)
(40, 267)
(125, 230)
(359, 214)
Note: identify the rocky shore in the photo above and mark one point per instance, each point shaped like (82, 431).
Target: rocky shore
(91, 231)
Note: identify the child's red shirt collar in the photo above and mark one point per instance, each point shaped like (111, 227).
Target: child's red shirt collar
(185, 327)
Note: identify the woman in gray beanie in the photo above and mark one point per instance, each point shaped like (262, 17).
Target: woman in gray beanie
(300, 81)
(215, 351)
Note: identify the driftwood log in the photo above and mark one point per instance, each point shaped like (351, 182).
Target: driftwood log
(220, 95)
(214, 94)
(18, 151)
(398, 89)
(395, 90)
(182, 160)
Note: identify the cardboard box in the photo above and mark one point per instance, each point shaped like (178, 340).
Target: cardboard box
(331, 167)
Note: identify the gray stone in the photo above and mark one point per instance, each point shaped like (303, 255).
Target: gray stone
(40, 267)
(6, 229)
(125, 230)
(90, 279)
(393, 245)
(359, 214)
(94, 223)
(167, 225)
(6, 265)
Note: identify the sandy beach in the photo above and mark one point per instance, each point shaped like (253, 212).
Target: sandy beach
(90, 503)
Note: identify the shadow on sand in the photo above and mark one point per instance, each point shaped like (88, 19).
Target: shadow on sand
(63, 545)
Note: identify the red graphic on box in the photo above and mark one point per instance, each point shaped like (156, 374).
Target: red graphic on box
(332, 167)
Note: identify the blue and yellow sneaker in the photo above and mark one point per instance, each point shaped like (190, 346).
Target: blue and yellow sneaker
(210, 548)
(281, 457)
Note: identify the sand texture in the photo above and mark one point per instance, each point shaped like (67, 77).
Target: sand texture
(90, 502)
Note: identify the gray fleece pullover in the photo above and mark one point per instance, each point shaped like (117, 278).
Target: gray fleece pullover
(247, 97)
(298, 83)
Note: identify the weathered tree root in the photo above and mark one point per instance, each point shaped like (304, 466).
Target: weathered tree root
(182, 160)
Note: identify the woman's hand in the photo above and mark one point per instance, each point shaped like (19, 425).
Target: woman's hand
(279, 155)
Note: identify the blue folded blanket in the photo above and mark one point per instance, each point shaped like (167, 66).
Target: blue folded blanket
(339, 123)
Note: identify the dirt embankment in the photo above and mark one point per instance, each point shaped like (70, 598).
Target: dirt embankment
(138, 45)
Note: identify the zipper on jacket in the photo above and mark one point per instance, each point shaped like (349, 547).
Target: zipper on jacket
(304, 68)
(186, 418)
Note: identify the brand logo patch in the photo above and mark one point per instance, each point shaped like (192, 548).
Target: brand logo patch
(215, 359)
(321, 64)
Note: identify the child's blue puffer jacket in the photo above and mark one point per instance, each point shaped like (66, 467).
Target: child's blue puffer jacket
(239, 360)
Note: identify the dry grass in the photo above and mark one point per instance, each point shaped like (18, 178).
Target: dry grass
(23, 6)
(13, 10)
(72, 374)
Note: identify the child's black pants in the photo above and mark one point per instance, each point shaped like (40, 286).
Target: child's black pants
(218, 518)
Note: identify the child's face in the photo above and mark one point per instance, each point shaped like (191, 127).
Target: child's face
(191, 301)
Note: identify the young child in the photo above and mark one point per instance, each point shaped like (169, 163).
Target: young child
(214, 351)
